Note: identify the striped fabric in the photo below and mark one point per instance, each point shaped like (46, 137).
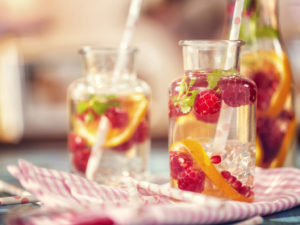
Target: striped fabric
(70, 199)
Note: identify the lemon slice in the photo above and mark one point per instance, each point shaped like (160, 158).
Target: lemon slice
(201, 158)
(135, 104)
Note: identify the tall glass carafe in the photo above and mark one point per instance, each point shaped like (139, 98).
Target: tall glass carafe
(265, 61)
(212, 122)
(124, 101)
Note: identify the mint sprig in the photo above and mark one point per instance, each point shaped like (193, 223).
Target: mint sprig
(186, 97)
(98, 103)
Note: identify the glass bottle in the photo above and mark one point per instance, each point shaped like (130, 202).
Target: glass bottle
(212, 122)
(124, 100)
(265, 61)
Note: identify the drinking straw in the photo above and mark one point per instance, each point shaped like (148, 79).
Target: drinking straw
(97, 149)
(18, 199)
(20, 196)
(133, 15)
(223, 126)
(96, 153)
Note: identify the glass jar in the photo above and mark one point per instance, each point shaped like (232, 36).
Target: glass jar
(265, 61)
(212, 122)
(124, 101)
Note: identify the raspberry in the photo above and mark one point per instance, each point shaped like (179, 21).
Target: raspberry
(118, 117)
(179, 161)
(237, 91)
(142, 132)
(207, 106)
(191, 180)
(267, 83)
(80, 159)
(76, 142)
(216, 159)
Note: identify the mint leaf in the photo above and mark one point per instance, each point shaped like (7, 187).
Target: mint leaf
(81, 107)
(213, 78)
(99, 107)
(192, 82)
(183, 86)
(89, 117)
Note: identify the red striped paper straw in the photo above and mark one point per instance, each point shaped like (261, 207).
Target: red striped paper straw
(223, 126)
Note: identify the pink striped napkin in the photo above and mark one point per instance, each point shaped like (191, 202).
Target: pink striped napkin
(70, 199)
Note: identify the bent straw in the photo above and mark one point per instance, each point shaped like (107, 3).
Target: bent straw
(134, 12)
(103, 127)
(97, 149)
(223, 126)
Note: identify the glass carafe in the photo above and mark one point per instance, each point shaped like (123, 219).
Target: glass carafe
(265, 61)
(124, 101)
(212, 122)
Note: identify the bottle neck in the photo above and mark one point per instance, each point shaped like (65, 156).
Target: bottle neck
(100, 64)
(259, 20)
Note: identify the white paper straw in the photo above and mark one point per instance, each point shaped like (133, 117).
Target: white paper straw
(97, 149)
(133, 15)
(224, 122)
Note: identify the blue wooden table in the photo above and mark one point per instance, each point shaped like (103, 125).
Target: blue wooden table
(54, 155)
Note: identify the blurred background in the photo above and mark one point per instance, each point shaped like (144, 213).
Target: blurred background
(39, 41)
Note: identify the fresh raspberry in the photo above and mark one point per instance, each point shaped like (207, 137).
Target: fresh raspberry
(216, 159)
(124, 146)
(76, 142)
(179, 161)
(142, 132)
(267, 83)
(237, 91)
(80, 159)
(207, 106)
(118, 117)
(191, 180)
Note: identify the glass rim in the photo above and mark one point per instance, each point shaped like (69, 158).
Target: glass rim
(207, 42)
(112, 50)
